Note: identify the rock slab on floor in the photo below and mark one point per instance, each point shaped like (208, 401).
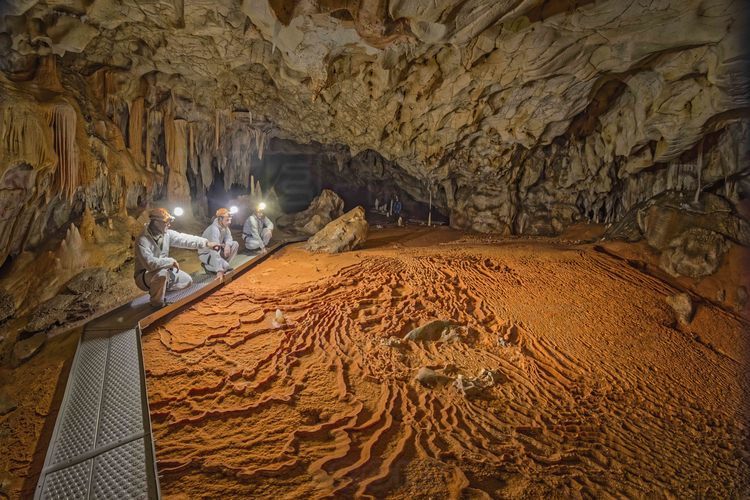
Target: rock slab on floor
(326, 207)
(343, 234)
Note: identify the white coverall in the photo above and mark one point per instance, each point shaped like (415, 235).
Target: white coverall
(213, 260)
(154, 271)
(257, 232)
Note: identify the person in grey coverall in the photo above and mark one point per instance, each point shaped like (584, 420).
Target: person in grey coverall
(217, 261)
(155, 271)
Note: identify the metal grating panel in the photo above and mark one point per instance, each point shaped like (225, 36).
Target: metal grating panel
(72, 482)
(199, 280)
(121, 414)
(140, 301)
(121, 472)
(80, 412)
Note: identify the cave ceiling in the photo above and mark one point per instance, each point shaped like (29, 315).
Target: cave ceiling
(560, 108)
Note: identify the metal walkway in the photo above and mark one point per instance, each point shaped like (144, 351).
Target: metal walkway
(102, 446)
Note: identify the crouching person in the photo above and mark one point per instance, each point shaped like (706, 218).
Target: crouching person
(155, 271)
(214, 261)
(257, 230)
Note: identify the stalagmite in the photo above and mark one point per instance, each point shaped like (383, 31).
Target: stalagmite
(62, 119)
(71, 253)
(252, 185)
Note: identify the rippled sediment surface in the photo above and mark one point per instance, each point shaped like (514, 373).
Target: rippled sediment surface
(598, 391)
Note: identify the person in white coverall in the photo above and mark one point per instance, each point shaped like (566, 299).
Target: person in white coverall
(155, 271)
(257, 230)
(218, 261)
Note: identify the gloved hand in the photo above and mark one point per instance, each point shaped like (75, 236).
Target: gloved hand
(214, 245)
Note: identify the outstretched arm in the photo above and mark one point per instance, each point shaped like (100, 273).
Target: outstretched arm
(151, 261)
(182, 240)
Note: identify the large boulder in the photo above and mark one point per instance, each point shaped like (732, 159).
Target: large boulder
(692, 235)
(344, 234)
(695, 253)
(671, 215)
(322, 210)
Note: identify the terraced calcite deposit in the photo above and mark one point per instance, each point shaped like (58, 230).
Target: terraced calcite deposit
(558, 372)
(527, 115)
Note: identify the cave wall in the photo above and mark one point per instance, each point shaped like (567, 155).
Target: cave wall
(522, 117)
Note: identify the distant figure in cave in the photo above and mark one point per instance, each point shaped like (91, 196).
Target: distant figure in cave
(214, 261)
(155, 271)
(257, 230)
(397, 208)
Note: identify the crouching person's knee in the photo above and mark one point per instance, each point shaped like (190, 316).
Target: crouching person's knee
(182, 280)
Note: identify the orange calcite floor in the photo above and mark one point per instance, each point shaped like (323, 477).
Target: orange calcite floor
(596, 390)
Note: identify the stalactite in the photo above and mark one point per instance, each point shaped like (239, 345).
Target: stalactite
(700, 170)
(88, 225)
(135, 129)
(153, 127)
(216, 130)
(175, 137)
(148, 140)
(47, 74)
(24, 138)
(62, 119)
(261, 140)
(192, 156)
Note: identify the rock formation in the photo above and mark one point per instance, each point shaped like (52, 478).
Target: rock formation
(343, 234)
(513, 113)
(323, 209)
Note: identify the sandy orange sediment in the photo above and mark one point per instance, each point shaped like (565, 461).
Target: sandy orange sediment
(600, 391)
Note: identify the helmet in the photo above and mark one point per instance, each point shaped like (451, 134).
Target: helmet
(223, 212)
(161, 214)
